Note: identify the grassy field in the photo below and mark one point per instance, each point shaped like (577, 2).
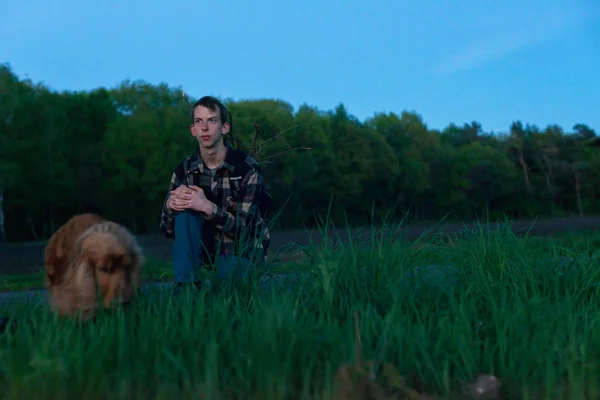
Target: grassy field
(155, 270)
(522, 309)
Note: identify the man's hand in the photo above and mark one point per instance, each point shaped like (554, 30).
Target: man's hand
(180, 198)
(189, 197)
(199, 202)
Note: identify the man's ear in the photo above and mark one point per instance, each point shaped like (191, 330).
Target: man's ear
(192, 129)
(225, 129)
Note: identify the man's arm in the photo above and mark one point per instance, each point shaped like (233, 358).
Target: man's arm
(167, 216)
(247, 208)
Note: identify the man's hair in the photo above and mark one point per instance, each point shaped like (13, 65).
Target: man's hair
(212, 104)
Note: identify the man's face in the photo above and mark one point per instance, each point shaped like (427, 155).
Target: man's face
(208, 128)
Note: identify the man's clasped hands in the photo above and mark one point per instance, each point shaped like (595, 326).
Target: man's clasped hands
(189, 197)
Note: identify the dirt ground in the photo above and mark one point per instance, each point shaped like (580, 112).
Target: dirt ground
(23, 258)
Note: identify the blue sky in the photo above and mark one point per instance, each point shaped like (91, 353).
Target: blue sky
(450, 61)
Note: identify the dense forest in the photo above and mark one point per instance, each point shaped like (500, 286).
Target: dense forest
(113, 151)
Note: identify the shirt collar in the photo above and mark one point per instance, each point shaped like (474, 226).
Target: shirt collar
(196, 162)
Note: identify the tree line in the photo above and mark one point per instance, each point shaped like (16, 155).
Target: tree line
(112, 150)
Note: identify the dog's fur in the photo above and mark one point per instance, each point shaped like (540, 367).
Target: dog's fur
(61, 244)
(90, 259)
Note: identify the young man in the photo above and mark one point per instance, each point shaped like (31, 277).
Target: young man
(216, 204)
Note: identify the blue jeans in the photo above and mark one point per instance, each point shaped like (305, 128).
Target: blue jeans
(188, 249)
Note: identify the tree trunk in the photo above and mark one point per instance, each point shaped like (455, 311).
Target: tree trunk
(549, 187)
(525, 169)
(578, 193)
(549, 167)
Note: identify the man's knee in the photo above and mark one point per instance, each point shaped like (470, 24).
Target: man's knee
(188, 222)
(188, 245)
(189, 216)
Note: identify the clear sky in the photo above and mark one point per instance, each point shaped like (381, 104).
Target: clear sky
(451, 61)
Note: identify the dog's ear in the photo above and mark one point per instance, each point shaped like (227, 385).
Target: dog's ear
(59, 247)
(51, 261)
(54, 256)
(86, 288)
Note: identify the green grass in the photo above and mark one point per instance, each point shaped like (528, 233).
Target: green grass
(155, 270)
(525, 310)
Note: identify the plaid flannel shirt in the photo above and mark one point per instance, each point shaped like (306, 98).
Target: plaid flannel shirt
(229, 218)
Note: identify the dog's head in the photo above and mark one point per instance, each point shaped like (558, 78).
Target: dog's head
(111, 262)
(60, 244)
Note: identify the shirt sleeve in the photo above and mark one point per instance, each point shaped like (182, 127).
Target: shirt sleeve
(246, 209)
(167, 216)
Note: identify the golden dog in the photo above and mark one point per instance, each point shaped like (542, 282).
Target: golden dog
(88, 260)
